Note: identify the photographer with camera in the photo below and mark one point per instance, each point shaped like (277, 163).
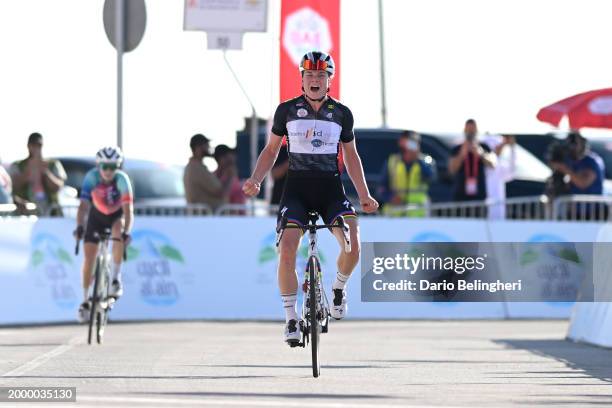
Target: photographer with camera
(576, 170)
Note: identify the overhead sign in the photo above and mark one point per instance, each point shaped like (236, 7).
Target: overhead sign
(222, 16)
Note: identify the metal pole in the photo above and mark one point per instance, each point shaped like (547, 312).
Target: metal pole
(381, 39)
(253, 140)
(120, 27)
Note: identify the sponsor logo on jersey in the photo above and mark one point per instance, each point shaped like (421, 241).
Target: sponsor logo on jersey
(330, 106)
(329, 115)
(302, 112)
(313, 133)
(317, 143)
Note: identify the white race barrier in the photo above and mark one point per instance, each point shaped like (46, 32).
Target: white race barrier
(225, 268)
(592, 322)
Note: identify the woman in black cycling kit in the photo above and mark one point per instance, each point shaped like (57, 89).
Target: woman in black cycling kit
(316, 126)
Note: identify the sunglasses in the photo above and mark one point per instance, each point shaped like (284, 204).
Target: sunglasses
(317, 65)
(107, 167)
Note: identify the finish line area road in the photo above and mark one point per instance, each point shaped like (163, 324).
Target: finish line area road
(364, 364)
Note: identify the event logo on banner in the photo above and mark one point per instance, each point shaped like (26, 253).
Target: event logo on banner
(307, 25)
(268, 259)
(557, 265)
(54, 267)
(156, 259)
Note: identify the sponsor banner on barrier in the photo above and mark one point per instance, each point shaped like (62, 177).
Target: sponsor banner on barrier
(538, 231)
(221, 268)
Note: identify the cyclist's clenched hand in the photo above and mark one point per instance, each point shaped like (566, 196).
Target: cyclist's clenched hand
(251, 187)
(368, 204)
(78, 232)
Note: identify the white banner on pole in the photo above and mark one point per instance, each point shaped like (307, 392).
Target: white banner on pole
(223, 16)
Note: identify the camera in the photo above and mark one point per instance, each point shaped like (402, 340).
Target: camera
(563, 151)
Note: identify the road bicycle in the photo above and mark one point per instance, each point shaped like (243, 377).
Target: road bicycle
(101, 302)
(315, 306)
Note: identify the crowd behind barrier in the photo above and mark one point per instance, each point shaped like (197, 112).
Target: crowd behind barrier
(565, 208)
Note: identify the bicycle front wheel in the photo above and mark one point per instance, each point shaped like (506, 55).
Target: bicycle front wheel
(102, 315)
(94, 300)
(314, 322)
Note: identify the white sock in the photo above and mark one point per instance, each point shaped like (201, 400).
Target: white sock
(340, 282)
(116, 271)
(85, 294)
(289, 302)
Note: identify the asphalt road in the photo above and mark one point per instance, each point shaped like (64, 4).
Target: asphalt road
(365, 364)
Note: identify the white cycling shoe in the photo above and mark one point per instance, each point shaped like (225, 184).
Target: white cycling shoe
(84, 312)
(338, 307)
(116, 289)
(292, 332)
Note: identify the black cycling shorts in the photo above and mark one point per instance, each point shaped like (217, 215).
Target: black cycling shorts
(98, 222)
(324, 195)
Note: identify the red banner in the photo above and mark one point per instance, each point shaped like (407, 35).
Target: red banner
(307, 25)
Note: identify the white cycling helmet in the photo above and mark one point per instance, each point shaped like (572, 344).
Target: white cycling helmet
(318, 61)
(109, 155)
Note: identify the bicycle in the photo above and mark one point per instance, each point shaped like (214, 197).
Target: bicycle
(101, 302)
(315, 306)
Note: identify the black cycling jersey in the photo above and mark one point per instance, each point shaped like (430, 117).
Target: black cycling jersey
(313, 138)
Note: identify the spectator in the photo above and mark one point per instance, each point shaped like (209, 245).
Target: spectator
(468, 161)
(6, 186)
(582, 168)
(38, 181)
(279, 174)
(202, 186)
(498, 176)
(226, 168)
(405, 178)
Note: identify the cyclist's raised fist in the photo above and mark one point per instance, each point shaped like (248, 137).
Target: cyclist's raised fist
(368, 204)
(251, 187)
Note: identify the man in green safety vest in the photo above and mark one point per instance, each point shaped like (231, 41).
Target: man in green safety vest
(406, 177)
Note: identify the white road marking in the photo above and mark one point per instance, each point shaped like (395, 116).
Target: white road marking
(43, 358)
(241, 401)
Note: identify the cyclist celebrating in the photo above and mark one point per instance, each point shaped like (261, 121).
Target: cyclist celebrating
(316, 126)
(110, 191)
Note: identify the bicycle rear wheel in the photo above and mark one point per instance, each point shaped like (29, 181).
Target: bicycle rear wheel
(94, 300)
(314, 322)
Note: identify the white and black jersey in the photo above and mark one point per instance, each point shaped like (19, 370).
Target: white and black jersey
(313, 143)
(313, 138)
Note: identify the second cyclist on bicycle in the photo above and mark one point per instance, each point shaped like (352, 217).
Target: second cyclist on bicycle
(107, 203)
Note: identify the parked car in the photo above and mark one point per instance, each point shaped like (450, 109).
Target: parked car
(375, 146)
(154, 183)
